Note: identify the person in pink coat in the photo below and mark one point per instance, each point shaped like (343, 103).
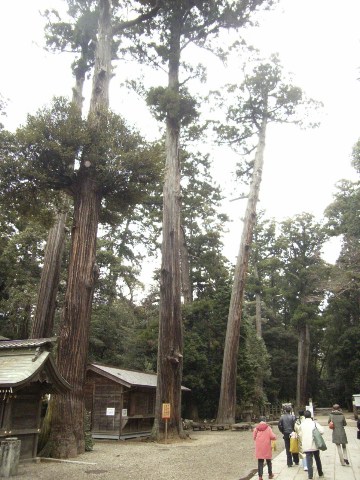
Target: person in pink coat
(263, 435)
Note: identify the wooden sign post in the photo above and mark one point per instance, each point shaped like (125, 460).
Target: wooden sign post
(166, 416)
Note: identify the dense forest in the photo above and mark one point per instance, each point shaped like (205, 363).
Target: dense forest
(87, 201)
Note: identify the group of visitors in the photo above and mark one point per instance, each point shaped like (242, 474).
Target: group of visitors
(300, 429)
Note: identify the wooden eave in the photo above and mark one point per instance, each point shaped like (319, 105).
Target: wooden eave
(108, 375)
(127, 378)
(24, 362)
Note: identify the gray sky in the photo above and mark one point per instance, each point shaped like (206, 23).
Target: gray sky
(317, 40)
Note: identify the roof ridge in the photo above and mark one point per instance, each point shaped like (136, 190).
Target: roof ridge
(122, 368)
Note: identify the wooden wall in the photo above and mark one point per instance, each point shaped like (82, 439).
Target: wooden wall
(20, 417)
(102, 394)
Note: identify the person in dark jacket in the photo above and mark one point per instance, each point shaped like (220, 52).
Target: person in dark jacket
(286, 426)
(338, 434)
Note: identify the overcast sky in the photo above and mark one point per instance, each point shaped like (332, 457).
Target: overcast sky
(317, 40)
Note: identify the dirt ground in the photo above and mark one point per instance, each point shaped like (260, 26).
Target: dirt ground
(215, 455)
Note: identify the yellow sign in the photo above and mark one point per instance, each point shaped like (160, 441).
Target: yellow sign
(166, 410)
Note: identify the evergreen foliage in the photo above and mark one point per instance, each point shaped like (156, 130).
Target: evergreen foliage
(341, 357)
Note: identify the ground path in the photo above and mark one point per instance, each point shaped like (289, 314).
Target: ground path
(207, 455)
(332, 468)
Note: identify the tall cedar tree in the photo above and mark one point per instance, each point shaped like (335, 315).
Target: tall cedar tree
(102, 173)
(267, 99)
(67, 430)
(115, 170)
(178, 24)
(305, 280)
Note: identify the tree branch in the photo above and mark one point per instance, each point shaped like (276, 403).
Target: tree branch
(118, 29)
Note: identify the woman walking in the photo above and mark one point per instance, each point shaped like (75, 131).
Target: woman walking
(338, 434)
(302, 455)
(263, 435)
(308, 445)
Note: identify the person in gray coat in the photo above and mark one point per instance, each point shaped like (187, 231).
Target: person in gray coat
(338, 434)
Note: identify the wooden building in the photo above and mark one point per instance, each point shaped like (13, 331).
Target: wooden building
(121, 402)
(27, 373)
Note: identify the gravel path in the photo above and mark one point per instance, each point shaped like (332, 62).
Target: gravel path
(215, 455)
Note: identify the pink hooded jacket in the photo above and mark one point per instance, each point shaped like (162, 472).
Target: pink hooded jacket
(263, 435)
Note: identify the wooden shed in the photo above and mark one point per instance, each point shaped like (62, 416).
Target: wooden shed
(27, 373)
(121, 402)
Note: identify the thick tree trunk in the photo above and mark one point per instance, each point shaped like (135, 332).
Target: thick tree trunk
(227, 402)
(77, 97)
(102, 69)
(170, 349)
(185, 269)
(67, 435)
(258, 328)
(258, 321)
(67, 432)
(303, 365)
(43, 325)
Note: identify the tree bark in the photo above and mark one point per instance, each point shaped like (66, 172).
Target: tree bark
(258, 322)
(227, 401)
(43, 324)
(67, 435)
(258, 328)
(185, 269)
(170, 349)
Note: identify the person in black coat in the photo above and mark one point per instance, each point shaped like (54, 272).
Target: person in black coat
(286, 426)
